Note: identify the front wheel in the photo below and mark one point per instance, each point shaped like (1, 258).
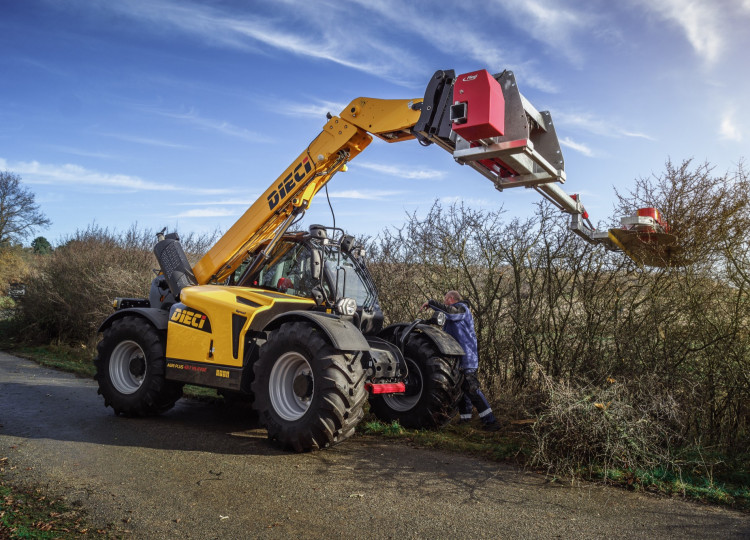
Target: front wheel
(307, 393)
(433, 388)
(130, 369)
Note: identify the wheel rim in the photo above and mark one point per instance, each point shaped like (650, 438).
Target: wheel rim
(127, 367)
(414, 386)
(291, 386)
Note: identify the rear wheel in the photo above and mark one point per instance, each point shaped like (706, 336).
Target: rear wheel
(433, 388)
(130, 369)
(307, 393)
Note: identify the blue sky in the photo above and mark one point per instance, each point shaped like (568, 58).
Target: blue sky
(180, 113)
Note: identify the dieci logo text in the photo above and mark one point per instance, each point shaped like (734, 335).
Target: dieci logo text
(191, 318)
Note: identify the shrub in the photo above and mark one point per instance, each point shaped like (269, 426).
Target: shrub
(618, 426)
(70, 292)
(14, 264)
(547, 304)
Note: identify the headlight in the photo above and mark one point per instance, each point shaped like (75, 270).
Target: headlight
(438, 317)
(346, 306)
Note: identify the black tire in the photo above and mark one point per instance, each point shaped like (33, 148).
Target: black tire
(130, 369)
(433, 388)
(308, 394)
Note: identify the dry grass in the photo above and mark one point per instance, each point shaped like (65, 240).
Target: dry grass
(615, 426)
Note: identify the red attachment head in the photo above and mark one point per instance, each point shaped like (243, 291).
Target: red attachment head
(478, 109)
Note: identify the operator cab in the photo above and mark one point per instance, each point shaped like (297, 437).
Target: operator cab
(324, 264)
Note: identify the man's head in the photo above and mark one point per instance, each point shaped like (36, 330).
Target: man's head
(451, 297)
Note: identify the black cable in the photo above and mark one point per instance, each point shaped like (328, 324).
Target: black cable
(333, 215)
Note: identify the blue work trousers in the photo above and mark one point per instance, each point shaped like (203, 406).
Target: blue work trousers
(473, 397)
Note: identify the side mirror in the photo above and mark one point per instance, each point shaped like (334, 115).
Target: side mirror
(318, 296)
(347, 243)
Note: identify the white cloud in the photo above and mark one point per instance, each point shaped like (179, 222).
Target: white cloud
(221, 126)
(703, 23)
(34, 172)
(728, 130)
(466, 39)
(369, 43)
(82, 153)
(306, 30)
(596, 126)
(401, 172)
(143, 140)
(550, 22)
(317, 109)
(578, 147)
(223, 202)
(367, 195)
(206, 213)
(469, 201)
(637, 135)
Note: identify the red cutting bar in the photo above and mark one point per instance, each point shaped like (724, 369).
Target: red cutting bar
(386, 388)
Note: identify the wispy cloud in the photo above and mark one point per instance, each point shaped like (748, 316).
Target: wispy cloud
(143, 140)
(467, 39)
(368, 195)
(315, 109)
(470, 201)
(636, 135)
(82, 153)
(401, 172)
(550, 22)
(369, 42)
(221, 126)
(703, 23)
(34, 172)
(597, 126)
(578, 147)
(223, 202)
(206, 213)
(250, 30)
(728, 129)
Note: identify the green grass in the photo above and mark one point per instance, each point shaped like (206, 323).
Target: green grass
(690, 485)
(499, 446)
(80, 361)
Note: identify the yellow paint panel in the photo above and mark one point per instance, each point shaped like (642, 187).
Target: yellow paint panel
(219, 304)
(391, 117)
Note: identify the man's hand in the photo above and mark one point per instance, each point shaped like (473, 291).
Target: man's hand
(425, 306)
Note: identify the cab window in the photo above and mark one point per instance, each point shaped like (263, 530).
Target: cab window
(288, 271)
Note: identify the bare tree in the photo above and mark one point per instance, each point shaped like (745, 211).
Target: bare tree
(709, 214)
(19, 214)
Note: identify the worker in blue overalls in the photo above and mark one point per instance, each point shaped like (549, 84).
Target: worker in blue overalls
(460, 324)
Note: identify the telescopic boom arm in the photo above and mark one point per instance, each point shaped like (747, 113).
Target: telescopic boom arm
(481, 119)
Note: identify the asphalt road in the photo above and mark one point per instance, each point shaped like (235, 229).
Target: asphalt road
(200, 471)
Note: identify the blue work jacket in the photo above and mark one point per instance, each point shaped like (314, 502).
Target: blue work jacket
(459, 323)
